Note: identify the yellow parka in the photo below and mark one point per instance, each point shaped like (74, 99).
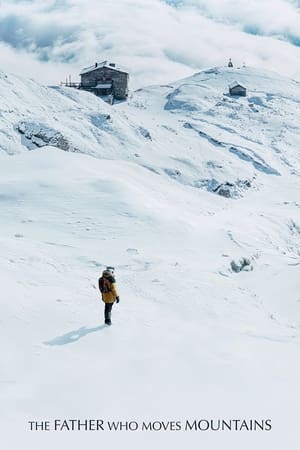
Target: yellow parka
(108, 289)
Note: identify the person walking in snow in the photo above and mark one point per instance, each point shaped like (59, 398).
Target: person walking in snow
(109, 293)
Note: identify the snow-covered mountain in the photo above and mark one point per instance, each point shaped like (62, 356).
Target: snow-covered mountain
(193, 196)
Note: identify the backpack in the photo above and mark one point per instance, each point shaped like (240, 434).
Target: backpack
(105, 284)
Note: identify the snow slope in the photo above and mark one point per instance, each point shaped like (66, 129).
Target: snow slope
(170, 188)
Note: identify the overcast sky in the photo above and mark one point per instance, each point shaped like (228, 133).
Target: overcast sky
(157, 40)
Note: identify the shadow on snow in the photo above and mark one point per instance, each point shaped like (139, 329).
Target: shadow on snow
(73, 336)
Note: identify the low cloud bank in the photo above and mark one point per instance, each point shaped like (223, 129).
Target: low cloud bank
(158, 41)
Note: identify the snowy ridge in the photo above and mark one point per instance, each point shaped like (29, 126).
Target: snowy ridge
(261, 129)
(170, 188)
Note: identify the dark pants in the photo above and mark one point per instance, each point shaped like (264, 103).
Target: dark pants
(107, 312)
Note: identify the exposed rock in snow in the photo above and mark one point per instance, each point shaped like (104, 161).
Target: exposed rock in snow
(243, 264)
(173, 173)
(225, 189)
(35, 135)
(145, 133)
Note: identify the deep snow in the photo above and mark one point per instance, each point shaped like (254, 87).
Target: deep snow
(135, 185)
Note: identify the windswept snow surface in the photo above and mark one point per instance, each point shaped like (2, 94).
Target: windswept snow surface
(170, 188)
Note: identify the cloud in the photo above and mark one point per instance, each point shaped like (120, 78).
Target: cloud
(279, 18)
(23, 33)
(158, 41)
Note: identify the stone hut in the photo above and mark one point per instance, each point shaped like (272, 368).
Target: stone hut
(237, 89)
(105, 80)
